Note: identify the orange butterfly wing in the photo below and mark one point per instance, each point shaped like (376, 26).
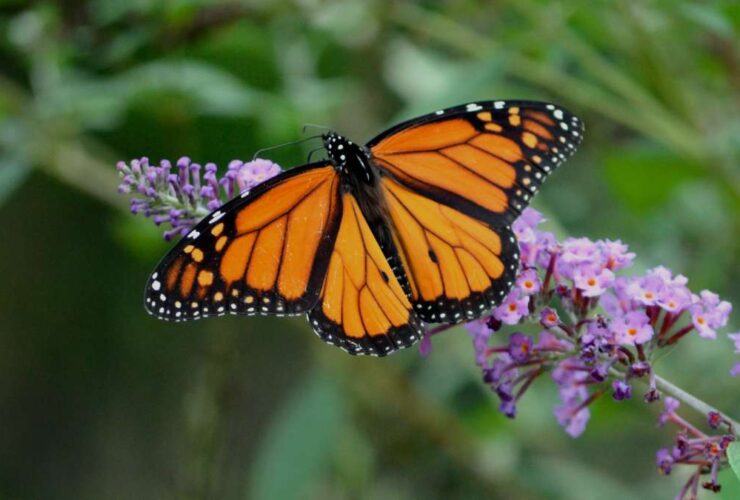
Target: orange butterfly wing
(457, 266)
(265, 252)
(486, 159)
(362, 307)
(453, 181)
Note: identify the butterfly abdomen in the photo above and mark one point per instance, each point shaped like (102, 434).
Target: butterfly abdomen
(375, 208)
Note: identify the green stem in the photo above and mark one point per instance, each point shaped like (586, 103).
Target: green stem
(684, 397)
(692, 401)
(77, 166)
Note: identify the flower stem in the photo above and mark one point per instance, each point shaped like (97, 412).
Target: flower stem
(692, 401)
(684, 397)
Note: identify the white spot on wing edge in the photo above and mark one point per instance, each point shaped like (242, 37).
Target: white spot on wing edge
(473, 107)
(216, 216)
(193, 234)
(156, 285)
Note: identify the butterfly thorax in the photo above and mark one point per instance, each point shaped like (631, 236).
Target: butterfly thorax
(350, 159)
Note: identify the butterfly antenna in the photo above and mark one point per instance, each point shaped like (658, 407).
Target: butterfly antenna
(311, 153)
(259, 151)
(313, 125)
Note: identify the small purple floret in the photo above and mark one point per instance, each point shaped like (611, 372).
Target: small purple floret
(622, 390)
(514, 307)
(181, 199)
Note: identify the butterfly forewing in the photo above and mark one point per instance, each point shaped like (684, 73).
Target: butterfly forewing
(486, 159)
(263, 253)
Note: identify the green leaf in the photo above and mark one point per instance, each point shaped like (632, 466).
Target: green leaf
(644, 178)
(139, 236)
(730, 485)
(297, 448)
(212, 90)
(407, 61)
(711, 18)
(101, 103)
(733, 455)
(12, 175)
(556, 477)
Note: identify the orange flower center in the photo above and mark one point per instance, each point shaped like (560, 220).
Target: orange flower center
(632, 332)
(512, 307)
(700, 320)
(528, 284)
(649, 295)
(591, 282)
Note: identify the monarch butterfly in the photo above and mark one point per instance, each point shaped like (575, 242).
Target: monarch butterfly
(374, 241)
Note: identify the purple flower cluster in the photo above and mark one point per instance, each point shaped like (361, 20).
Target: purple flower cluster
(614, 323)
(694, 448)
(181, 195)
(600, 330)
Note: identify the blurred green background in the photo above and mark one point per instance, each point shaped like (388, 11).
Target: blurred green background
(98, 400)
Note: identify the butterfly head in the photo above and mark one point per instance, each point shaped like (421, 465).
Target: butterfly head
(340, 148)
(348, 157)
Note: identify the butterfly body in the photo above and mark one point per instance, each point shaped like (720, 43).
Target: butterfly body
(378, 239)
(349, 159)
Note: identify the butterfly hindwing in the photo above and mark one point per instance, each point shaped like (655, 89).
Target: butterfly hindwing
(457, 267)
(264, 252)
(486, 159)
(362, 307)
